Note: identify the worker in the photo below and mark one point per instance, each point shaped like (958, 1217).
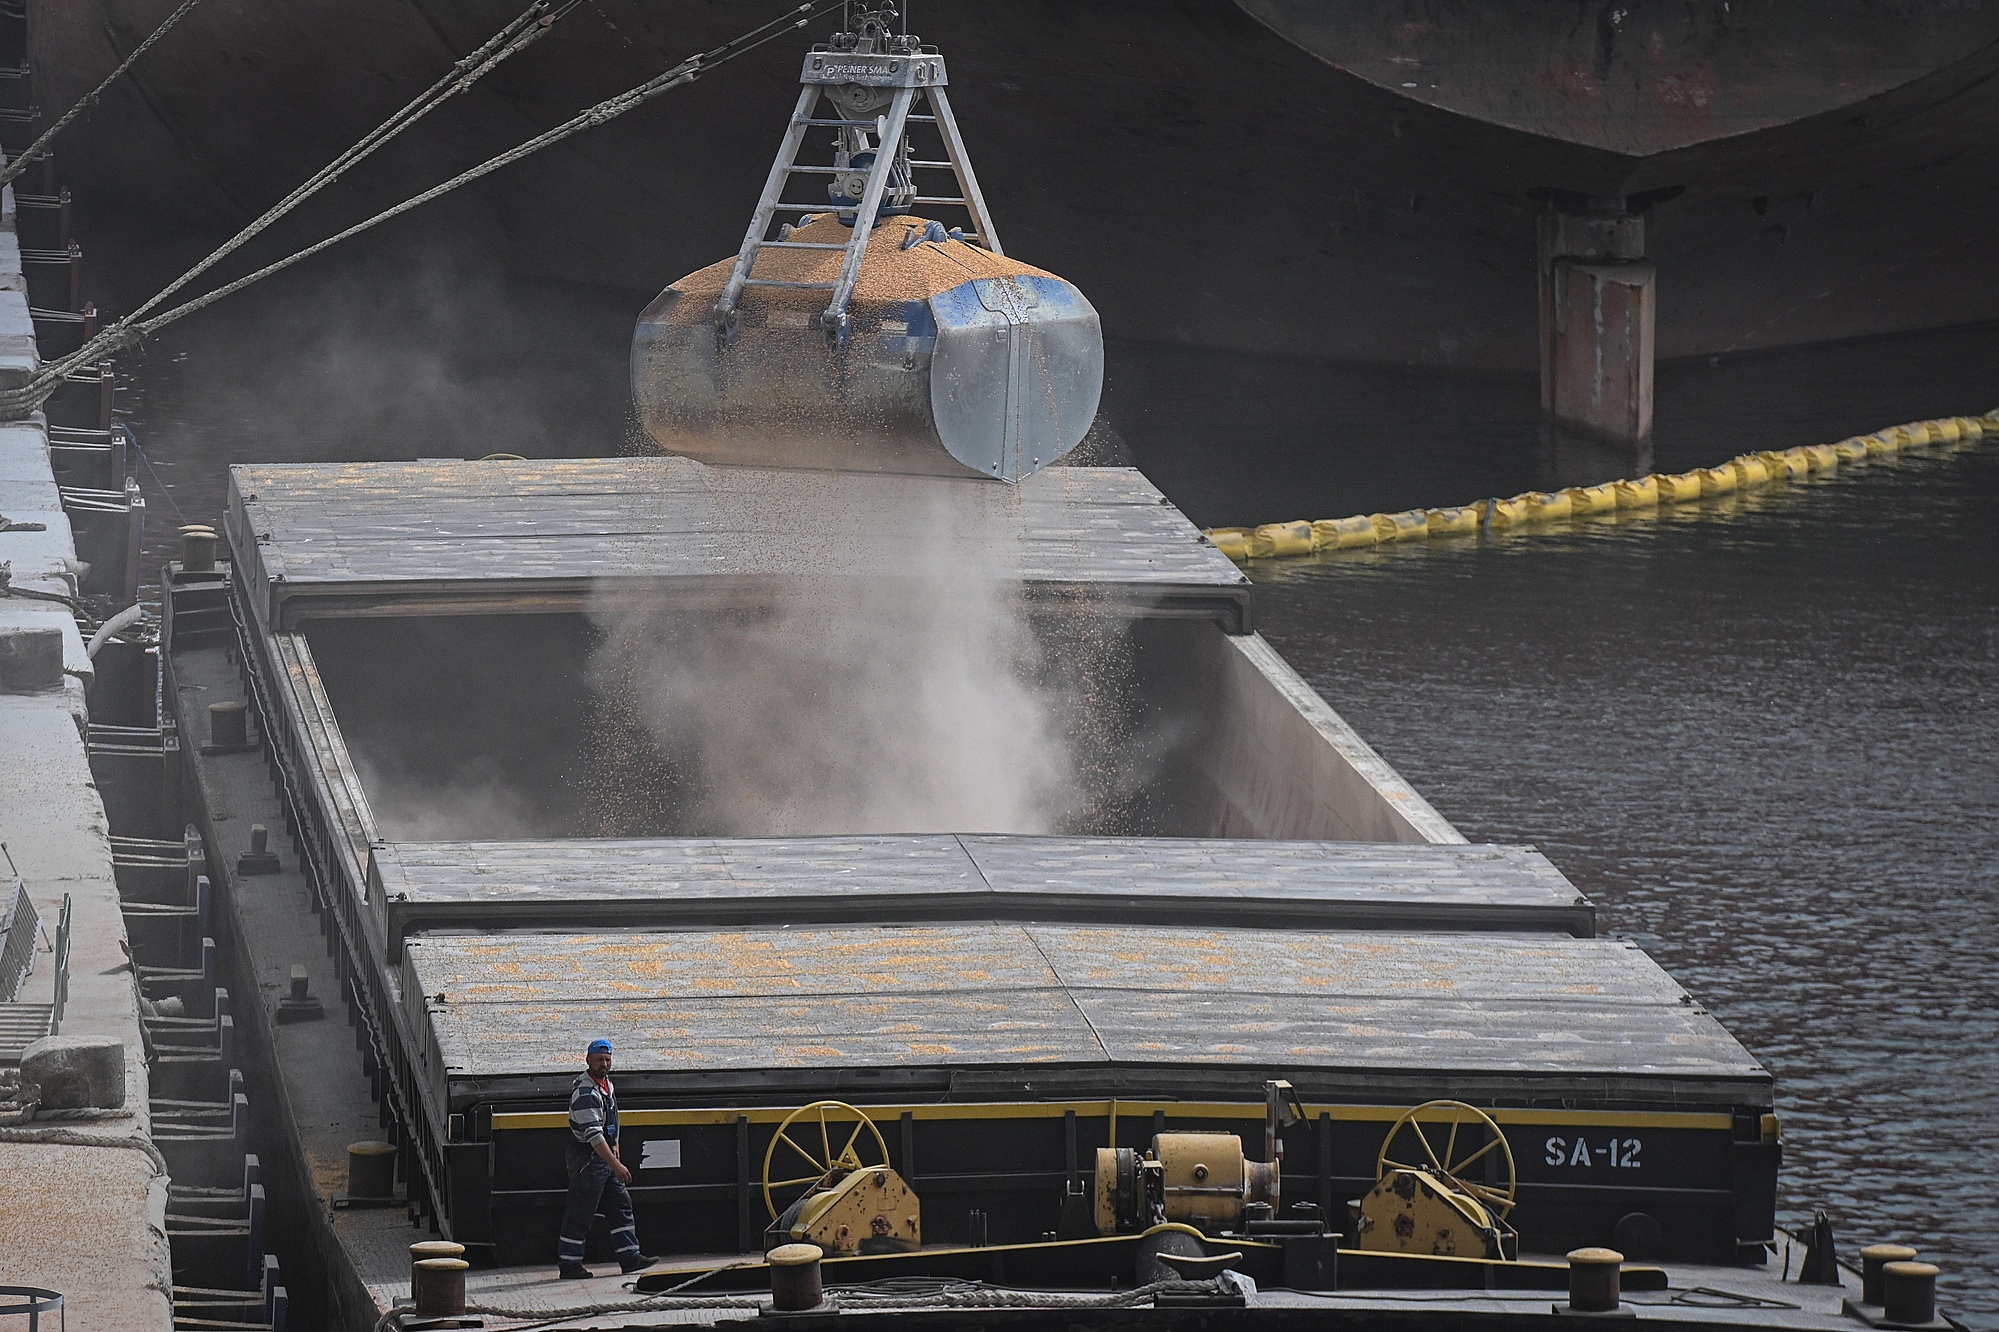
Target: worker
(596, 1175)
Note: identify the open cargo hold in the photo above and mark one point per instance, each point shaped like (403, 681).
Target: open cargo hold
(491, 589)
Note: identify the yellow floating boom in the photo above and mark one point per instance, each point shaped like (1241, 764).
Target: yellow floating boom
(1749, 471)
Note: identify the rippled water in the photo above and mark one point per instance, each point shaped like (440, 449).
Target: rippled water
(1763, 740)
(1761, 734)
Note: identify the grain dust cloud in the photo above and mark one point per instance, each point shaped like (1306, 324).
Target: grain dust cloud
(888, 679)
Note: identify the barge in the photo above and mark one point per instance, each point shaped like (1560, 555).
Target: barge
(1001, 1007)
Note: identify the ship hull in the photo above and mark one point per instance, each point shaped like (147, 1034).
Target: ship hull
(1206, 178)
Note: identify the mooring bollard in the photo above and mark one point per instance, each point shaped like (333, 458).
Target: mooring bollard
(371, 1170)
(229, 725)
(1594, 1280)
(1872, 1259)
(794, 1277)
(1909, 1292)
(437, 1286)
(197, 548)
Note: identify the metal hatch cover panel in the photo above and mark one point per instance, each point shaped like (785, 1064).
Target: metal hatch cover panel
(803, 880)
(469, 537)
(1545, 1016)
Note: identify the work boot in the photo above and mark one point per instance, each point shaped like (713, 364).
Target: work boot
(638, 1262)
(575, 1272)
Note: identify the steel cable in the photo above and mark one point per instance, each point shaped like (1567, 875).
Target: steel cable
(18, 401)
(13, 169)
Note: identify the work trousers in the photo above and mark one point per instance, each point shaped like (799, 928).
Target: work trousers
(593, 1188)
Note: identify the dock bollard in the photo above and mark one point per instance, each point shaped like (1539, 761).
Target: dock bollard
(794, 1277)
(1909, 1292)
(1594, 1280)
(1872, 1259)
(197, 548)
(371, 1170)
(437, 1286)
(229, 725)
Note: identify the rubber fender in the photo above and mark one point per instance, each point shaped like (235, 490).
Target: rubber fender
(1592, 499)
(1545, 505)
(1679, 487)
(1281, 540)
(1750, 470)
(1640, 494)
(1340, 533)
(1401, 526)
(1716, 480)
(1824, 457)
(1452, 522)
(1230, 541)
(1850, 450)
(1877, 446)
(1502, 512)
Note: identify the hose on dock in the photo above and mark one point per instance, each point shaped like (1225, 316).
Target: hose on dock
(1748, 471)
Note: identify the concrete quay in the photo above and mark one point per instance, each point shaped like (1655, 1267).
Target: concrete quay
(86, 1217)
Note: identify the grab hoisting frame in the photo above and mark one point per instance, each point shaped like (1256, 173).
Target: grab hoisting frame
(911, 73)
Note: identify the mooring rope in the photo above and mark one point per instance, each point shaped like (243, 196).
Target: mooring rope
(920, 1295)
(1748, 471)
(527, 29)
(19, 401)
(12, 170)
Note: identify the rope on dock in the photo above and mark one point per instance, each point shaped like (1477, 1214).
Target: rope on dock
(12, 170)
(1748, 471)
(72, 1138)
(918, 1294)
(392, 1321)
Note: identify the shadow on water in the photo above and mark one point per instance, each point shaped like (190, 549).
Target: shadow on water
(1762, 736)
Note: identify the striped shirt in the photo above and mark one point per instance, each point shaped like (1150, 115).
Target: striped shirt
(593, 1111)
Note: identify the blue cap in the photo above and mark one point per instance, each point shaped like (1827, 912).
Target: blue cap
(599, 1046)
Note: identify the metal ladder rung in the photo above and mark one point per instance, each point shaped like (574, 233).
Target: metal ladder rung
(795, 286)
(934, 166)
(800, 245)
(921, 120)
(818, 170)
(806, 208)
(928, 199)
(848, 124)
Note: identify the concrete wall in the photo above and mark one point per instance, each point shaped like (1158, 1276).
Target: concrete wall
(85, 1220)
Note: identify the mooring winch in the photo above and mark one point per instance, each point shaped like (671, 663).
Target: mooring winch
(862, 337)
(851, 1200)
(1199, 1179)
(1437, 1205)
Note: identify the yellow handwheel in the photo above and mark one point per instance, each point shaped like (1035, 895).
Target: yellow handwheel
(808, 1134)
(1443, 1119)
